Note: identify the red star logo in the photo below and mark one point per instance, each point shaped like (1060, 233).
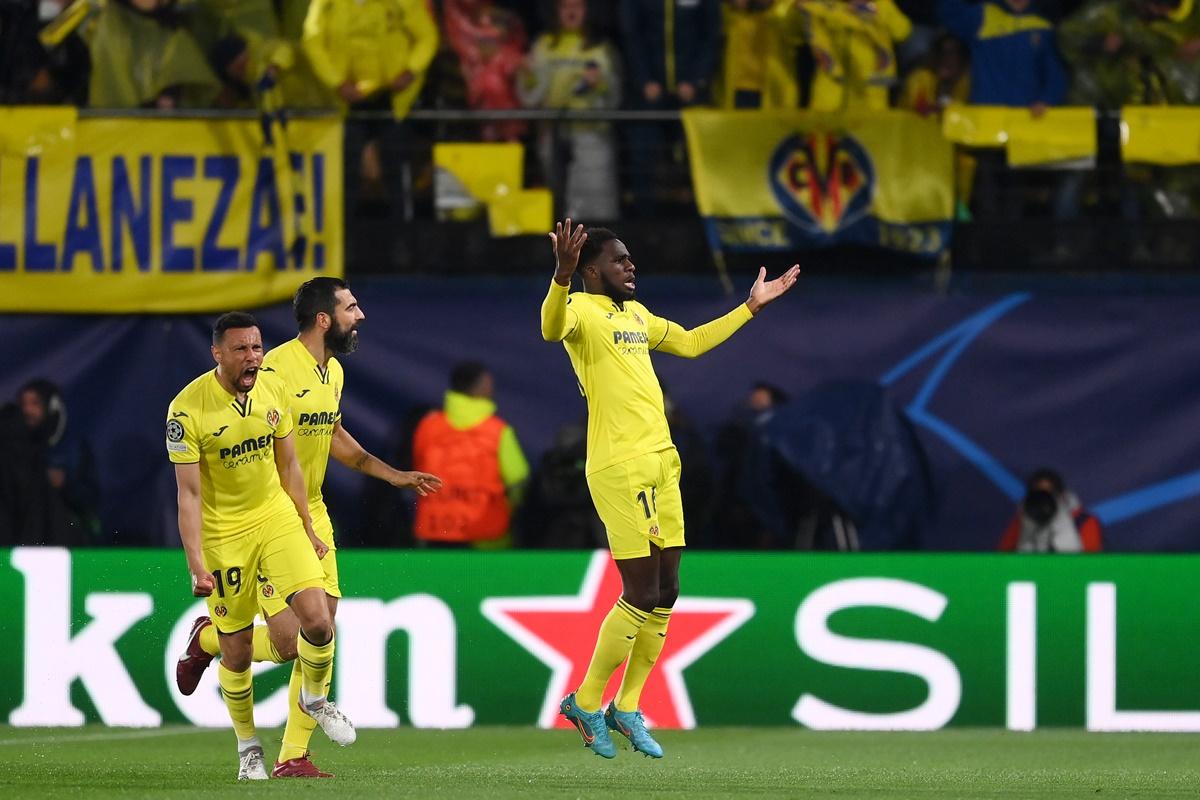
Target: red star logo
(561, 631)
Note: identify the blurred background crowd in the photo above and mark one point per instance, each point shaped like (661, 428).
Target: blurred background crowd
(380, 60)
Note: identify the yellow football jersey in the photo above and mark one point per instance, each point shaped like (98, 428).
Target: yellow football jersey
(315, 396)
(235, 447)
(609, 345)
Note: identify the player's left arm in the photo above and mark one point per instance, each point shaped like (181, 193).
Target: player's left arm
(346, 449)
(670, 337)
(292, 479)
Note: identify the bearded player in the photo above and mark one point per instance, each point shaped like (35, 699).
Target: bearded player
(328, 315)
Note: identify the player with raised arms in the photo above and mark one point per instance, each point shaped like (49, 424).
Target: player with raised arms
(632, 466)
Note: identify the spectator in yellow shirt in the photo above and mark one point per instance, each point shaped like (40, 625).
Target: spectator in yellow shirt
(759, 67)
(853, 45)
(571, 67)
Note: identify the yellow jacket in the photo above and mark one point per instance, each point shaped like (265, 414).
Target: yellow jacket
(371, 42)
(852, 45)
(757, 59)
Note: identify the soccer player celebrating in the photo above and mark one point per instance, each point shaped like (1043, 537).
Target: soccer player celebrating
(632, 466)
(243, 511)
(328, 316)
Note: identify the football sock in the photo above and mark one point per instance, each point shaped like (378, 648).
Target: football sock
(264, 648)
(617, 635)
(646, 647)
(316, 663)
(300, 726)
(238, 690)
(209, 642)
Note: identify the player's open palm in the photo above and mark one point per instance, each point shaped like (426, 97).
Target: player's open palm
(423, 483)
(764, 291)
(567, 245)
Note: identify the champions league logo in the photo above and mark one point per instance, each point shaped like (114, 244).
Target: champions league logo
(822, 181)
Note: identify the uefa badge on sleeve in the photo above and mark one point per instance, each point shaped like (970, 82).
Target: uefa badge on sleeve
(175, 437)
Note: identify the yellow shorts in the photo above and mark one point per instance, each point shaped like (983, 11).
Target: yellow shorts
(277, 548)
(639, 502)
(272, 601)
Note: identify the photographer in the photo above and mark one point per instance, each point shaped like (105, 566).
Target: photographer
(1050, 519)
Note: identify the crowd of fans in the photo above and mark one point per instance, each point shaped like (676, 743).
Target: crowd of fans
(393, 55)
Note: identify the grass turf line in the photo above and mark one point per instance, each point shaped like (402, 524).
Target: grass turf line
(494, 763)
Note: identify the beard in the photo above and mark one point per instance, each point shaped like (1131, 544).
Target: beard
(616, 291)
(342, 340)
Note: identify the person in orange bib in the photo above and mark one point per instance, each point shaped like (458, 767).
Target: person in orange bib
(478, 455)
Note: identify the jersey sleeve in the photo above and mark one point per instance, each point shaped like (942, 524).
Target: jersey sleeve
(559, 320)
(671, 337)
(183, 441)
(279, 405)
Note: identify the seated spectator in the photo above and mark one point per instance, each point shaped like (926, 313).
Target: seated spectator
(571, 68)
(759, 66)
(1050, 519)
(69, 468)
(490, 43)
(144, 57)
(853, 46)
(736, 525)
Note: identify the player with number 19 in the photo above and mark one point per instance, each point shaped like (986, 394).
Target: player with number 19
(243, 511)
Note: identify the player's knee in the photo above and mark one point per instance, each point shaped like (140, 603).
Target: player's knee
(237, 657)
(318, 634)
(285, 647)
(643, 598)
(668, 592)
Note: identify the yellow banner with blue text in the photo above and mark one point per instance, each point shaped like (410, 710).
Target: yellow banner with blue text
(164, 215)
(773, 180)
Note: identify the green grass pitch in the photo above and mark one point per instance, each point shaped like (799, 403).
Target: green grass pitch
(498, 763)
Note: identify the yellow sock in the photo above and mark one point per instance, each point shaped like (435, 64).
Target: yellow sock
(616, 638)
(238, 690)
(316, 664)
(209, 642)
(264, 648)
(646, 647)
(299, 725)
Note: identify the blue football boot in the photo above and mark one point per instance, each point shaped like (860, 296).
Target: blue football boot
(590, 725)
(632, 725)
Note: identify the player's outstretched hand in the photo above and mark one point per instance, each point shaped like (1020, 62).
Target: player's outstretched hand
(422, 483)
(566, 244)
(764, 291)
(202, 583)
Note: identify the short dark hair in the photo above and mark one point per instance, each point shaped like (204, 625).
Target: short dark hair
(597, 238)
(778, 396)
(1046, 475)
(315, 296)
(465, 376)
(229, 321)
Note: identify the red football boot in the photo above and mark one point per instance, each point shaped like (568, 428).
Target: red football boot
(298, 768)
(194, 661)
